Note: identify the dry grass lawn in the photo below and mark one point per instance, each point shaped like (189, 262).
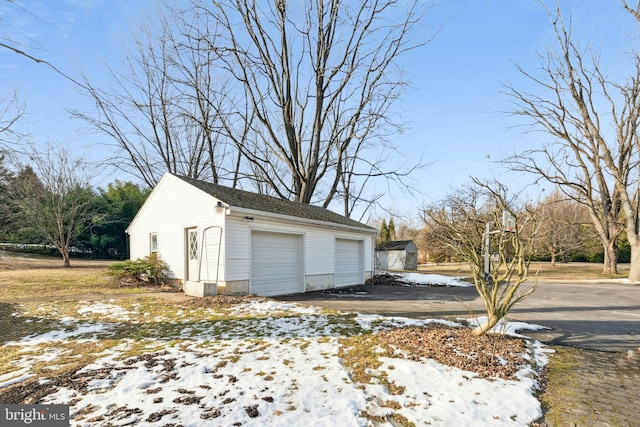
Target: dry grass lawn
(573, 271)
(29, 276)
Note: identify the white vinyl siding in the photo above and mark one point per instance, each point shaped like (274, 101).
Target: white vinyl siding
(173, 206)
(349, 260)
(276, 263)
(238, 244)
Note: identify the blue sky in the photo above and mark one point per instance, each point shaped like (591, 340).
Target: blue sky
(454, 108)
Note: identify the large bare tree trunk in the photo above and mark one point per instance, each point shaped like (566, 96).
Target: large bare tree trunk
(634, 272)
(66, 259)
(290, 98)
(610, 263)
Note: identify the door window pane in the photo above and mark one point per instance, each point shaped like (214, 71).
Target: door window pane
(193, 245)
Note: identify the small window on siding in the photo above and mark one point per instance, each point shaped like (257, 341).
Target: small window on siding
(153, 242)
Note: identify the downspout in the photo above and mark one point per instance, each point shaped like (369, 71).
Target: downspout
(374, 267)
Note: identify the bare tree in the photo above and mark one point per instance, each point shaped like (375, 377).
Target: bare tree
(57, 200)
(292, 99)
(163, 113)
(11, 111)
(430, 246)
(474, 216)
(577, 105)
(562, 222)
(320, 77)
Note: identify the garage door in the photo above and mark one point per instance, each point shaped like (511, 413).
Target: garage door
(349, 260)
(276, 263)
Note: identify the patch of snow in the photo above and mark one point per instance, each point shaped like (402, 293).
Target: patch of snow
(377, 322)
(258, 308)
(505, 327)
(441, 395)
(432, 279)
(276, 371)
(14, 377)
(82, 329)
(109, 310)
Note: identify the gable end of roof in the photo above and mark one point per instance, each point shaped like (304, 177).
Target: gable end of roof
(394, 245)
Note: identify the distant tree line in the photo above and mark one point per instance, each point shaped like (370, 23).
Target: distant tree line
(564, 232)
(58, 209)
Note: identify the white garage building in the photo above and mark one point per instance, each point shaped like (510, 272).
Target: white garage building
(230, 241)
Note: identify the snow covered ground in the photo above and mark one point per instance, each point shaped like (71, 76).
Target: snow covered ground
(258, 363)
(430, 279)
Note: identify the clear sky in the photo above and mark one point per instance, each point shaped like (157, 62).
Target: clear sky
(454, 108)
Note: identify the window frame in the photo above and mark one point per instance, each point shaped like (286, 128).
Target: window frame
(153, 242)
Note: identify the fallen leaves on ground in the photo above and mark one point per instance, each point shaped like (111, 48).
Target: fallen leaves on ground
(387, 280)
(487, 355)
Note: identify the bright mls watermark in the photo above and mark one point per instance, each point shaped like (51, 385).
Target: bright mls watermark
(34, 415)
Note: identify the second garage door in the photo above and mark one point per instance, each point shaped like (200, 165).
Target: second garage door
(348, 267)
(276, 263)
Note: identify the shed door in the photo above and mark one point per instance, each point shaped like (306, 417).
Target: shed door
(349, 262)
(276, 263)
(193, 254)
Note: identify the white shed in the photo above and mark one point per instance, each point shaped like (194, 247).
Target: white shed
(397, 255)
(230, 241)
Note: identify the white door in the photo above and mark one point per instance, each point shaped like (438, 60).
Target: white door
(349, 261)
(276, 263)
(193, 254)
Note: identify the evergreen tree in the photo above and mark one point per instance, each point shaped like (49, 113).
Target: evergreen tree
(384, 232)
(120, 202)
(6, 212)
(392, 230)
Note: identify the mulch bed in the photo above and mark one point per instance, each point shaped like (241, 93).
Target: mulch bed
(487, 355)
(387, 280)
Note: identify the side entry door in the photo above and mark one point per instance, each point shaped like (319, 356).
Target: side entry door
(193, 255)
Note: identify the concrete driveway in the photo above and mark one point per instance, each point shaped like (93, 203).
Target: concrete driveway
(599, 316)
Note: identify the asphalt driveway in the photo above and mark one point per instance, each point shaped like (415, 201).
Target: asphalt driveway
(598, 316)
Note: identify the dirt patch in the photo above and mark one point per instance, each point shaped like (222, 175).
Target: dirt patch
(14, 327)
(32, 390)
(129, 282)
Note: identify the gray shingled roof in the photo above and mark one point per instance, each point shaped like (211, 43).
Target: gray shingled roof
(260, 202)
(394, 245)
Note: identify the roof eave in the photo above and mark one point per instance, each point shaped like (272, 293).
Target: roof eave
(291, 218)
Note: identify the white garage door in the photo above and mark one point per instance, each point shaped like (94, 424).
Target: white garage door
(349, 260)
(276, 263)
